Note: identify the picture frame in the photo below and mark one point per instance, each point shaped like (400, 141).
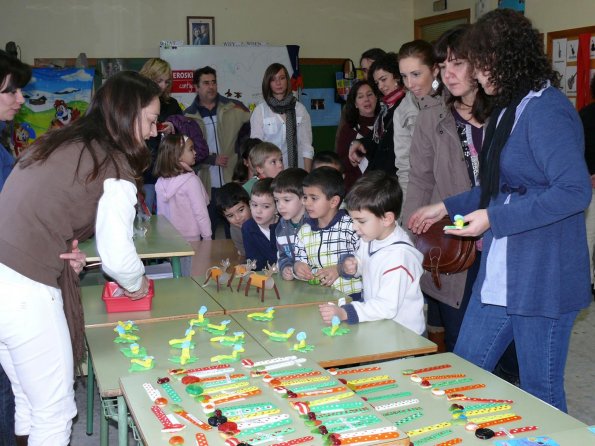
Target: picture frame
(200, 30)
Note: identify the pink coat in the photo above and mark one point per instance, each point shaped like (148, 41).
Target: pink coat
(183, 201)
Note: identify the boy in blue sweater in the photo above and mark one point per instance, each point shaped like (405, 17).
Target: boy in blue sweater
(287, 191)
(259, 232)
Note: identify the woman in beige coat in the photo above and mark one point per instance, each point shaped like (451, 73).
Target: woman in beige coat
(444, 159)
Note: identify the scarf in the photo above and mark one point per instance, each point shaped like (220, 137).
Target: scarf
(497, 134)
(386, 103)
(287, 106)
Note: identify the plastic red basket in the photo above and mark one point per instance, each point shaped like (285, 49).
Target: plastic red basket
(123, 303)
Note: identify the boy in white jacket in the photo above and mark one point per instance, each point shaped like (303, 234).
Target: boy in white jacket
(386, 260)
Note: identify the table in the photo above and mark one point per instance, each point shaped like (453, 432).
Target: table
(174, 299)
(550, 421)
(108, 364)
(208, 253)
(360, 345)
(293, 293)
(162, 240)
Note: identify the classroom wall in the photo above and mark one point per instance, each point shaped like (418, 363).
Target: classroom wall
(133, 28)
(546, 15)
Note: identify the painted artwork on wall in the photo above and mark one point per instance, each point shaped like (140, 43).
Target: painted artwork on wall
(517, 5)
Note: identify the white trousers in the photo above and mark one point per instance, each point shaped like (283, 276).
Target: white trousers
(590, 221)
(36, 353)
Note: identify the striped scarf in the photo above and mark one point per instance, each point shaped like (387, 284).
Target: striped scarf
(287, 106)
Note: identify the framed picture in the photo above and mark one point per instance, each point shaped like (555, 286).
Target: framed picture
(200, 30)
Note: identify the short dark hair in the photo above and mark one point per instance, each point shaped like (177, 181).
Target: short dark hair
(19, 72)
(231, 194)
(389, 63)
(262, 187)
(377, 192)
(240, 171)
(328, 157)
(269, 73)
(290, 181)
(329, 180)
(201, 72)
(372, 54)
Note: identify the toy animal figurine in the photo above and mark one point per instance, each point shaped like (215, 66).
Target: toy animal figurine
(302, 346)
(237, 338)
(138, 364)
(241, 271)
(185, 357)
(266, 316)
(220, 274)
(218, 329)
(278, 336)
(177, 343)
(200, 320)
(129, 326)
(235, 355)
(261, 281)
(124, 337)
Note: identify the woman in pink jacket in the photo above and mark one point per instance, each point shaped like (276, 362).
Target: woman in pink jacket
(181, 197)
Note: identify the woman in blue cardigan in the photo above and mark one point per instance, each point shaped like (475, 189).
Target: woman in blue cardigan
(534, 273)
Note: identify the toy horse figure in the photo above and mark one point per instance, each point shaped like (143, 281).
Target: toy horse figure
(263, 280)
(220, 274)
(242, 271)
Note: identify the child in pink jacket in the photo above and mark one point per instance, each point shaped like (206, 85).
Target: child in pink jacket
(181, 197)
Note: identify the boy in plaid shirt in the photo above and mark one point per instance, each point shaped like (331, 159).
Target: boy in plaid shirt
(327, 234)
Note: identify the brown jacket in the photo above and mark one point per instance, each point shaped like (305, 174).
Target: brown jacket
(438, 170)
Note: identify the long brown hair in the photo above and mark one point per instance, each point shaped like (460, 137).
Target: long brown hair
(269, 74)
(170, 151)
(110, 125)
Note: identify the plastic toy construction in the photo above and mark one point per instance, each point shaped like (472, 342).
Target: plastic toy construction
(185, 356)
(459, 223)
(140, 365)
(278, 336)
(301, 346)
(335, 329)
(134, 351)
(220, 329)
(266, 315)
(263, 280)
(129, 326)
(123, 337)
(220, 274)
(226, 359)
(237, 338)
(177, 343)
(200, 320)
(241, 271)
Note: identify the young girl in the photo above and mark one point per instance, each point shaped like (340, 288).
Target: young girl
(181, 197)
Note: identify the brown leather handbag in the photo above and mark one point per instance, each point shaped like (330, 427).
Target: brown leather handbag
(444, 253)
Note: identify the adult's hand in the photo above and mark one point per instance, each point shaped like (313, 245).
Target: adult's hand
(421, 220)
(221, 160)
(141, 292)
(478, 223)
(357, 151)
(76, 258)
(328, 275)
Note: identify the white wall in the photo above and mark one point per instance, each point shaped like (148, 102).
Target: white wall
(133, 28)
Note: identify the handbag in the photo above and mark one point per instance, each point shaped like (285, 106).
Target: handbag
(444, 253)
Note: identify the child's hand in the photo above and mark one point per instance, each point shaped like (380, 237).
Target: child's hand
(287, 273)
(327, 311)
(350, 266)
(303, 271)
(328, 275)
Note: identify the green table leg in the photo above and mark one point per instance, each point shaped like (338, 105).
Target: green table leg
(122, 422)
(103, 428)
(176, 267)
(90, 394)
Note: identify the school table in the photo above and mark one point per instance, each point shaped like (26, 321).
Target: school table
(108, 364)
(292, 293)
(174, 299)
(208, 253)
(149, 428)
(365, 342)
(434, 410)
(161, 240)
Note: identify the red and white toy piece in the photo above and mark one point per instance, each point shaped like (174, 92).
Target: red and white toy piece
(169, 422)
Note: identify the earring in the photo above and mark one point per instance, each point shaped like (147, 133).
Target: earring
(435, 84)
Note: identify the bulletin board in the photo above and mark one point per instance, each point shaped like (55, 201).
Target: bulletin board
(319, 81)
(563, 51)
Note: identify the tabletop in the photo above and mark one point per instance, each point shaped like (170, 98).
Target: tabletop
(161, 240)
(110, 363)
(292, 293)
(174, 299)
(367, 341)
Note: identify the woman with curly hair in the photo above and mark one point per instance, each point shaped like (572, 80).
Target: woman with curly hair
(529, 208)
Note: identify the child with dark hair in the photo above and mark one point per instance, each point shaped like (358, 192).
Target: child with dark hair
(288, 193)
(386, 260)
(234, 203)
(328, 158)
(259, 231)
(242, 171)
(327, 234)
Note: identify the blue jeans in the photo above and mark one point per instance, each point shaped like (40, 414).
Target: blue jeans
(150, 197)
(6, 411)
(541, 345)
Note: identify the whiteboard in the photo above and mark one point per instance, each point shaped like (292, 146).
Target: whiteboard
(239, 69)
